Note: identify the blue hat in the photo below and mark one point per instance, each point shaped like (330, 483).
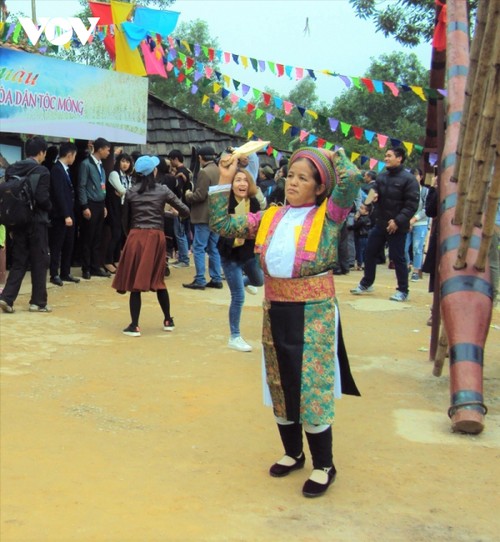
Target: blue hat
(146, 164)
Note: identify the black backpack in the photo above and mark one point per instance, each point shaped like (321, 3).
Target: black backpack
(17, 199)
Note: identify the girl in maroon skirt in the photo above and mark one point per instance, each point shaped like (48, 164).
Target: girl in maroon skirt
(142, 262)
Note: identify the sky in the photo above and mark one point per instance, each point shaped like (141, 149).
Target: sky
(275, 30)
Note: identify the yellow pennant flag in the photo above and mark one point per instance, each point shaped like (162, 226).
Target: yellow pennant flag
(313, 114)
(216, 87)
(250, 134)
(127, 59)
(409, 146)
(286, 127)
(355, 156)
(204, 99)
(244, 61)
(227, 80)
(419, 91)
(186, 45)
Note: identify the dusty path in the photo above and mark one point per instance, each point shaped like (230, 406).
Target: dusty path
(165, 438)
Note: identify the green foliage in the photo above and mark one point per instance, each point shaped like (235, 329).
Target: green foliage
(410, 22)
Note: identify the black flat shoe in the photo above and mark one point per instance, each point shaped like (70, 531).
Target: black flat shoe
(70, 278)
(194, 286)
(86, 275)
(216, 285)
(278, 470)
(313, 489)
(56, 280)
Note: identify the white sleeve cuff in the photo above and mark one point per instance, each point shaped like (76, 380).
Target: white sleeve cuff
(219, 188)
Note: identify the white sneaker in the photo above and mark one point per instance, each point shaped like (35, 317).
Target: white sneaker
(239, 344)
(360, 290)
(399, 296)
(251, 289)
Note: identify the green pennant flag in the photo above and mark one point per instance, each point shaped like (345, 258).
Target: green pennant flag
(272, 66)
(328, 146)
(188, 82)
(258, 113)
(256, 93)
(418, 148)
(17, 32)
(204, 48)
(357, 82)
(345, 128)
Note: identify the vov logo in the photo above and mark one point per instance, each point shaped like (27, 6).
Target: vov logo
(65, 25)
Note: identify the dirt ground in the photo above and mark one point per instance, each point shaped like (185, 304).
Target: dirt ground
(165, 437)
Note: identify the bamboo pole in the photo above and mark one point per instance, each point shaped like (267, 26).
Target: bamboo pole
(481, 47)
(483, 160)
(493, 199)
(440, 354)
(481, 173)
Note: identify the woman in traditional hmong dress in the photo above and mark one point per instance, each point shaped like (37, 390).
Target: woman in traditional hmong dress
(302, 338)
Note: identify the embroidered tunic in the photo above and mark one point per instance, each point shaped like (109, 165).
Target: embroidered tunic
(297, 248)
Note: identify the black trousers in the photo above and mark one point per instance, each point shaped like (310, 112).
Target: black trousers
(91, 233)
(61, 242)
(30, 249)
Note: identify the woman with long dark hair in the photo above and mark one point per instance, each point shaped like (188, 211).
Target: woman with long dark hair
(142, 263)
(118, 183)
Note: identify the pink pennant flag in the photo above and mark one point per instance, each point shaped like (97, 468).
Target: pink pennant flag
(234, 98)
(303, 135)
(392, 86)
(216, 108)
(153, 64)
(382, 140)
(373, 163)
(209, 71)
(288, 106)
(227, 58)
(299, 73)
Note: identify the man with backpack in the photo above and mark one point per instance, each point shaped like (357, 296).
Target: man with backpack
(30, 246)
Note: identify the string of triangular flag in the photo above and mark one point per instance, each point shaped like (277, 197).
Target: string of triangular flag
(207, 72)
(12, 31)
(278, 69)
(227, 118)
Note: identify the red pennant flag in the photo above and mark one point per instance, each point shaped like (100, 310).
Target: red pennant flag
(189, 62)
(250, 108)
(368, 84)
(179, 64)
(269, 150)
(281, 69)
(227, 118)
(267, 98)
(211, 54)
(321, 142)
(358, 132)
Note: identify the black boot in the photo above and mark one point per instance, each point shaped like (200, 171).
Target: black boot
(320, 445)
(291, 437)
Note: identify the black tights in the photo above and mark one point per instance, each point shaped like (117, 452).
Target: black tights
(135, 305)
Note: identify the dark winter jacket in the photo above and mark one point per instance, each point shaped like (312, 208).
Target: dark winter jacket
(244, 252)
(42, 192)
(398, 197)
(362, 225)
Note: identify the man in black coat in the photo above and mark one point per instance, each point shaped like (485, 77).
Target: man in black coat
(396, 195)
(30, 246)
(62, 232)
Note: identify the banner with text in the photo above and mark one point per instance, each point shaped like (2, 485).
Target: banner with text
(52, 97)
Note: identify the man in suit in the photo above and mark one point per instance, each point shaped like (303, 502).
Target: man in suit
(91, 197)
(204, 239)
(62, 232)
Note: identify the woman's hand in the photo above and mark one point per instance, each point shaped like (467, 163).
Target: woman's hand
(228, 164)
